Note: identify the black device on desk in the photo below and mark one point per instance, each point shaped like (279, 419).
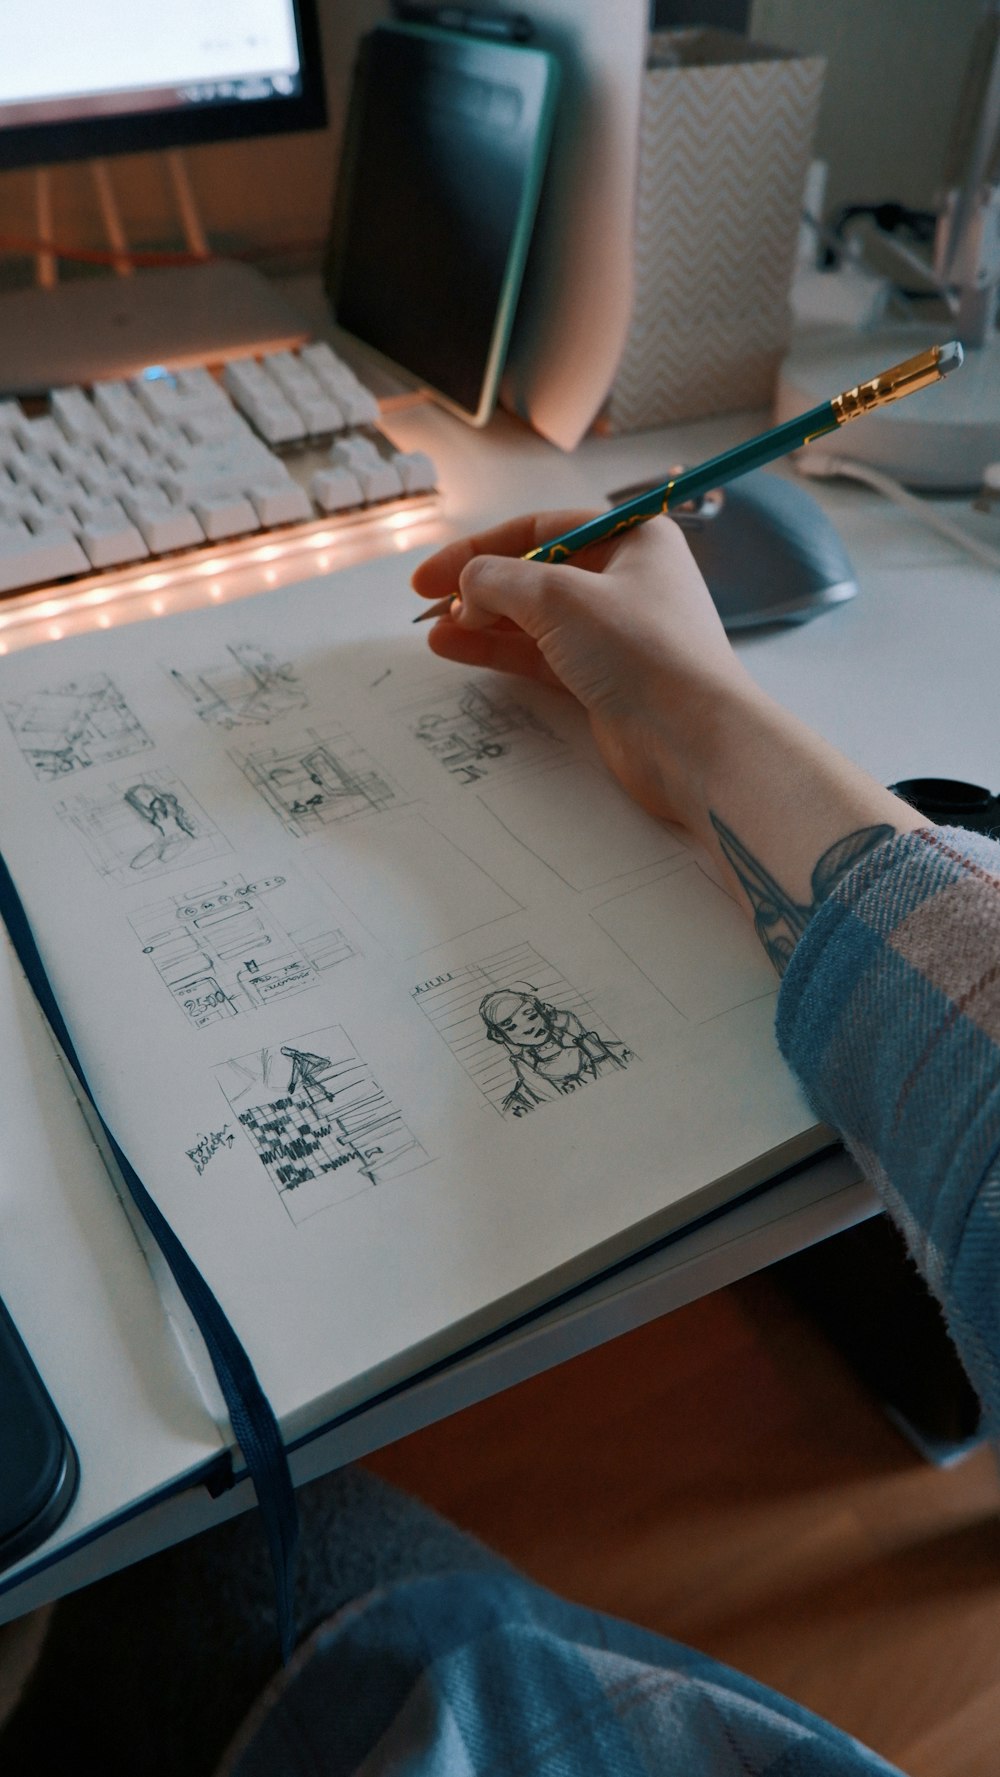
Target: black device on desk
(444, 153)
(38, 1466)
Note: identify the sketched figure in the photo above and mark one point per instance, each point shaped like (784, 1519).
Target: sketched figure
(550, 1051)
(173, 826)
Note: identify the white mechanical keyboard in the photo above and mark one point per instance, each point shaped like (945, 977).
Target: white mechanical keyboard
(166, 464)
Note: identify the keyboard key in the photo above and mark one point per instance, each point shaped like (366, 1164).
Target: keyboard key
(110, 541)
(29, 507)
(103, 508)
(291, 375)
(275, 419)
(118, 406)
(199, 385)
(26, 465)
(280, 505)
(356, 452)
(416, 471)
(51, 486)
(38, 434)
(336, 489)
(319, 413)
(330, 371)
(243, 378)
(104, 483)
(225, 516)
(78, 419)
(377, 477)
(31, 558)
(146, 498)
(165, 527)
(382, 483)
(208, 428)
(262, 399)
(359, 406)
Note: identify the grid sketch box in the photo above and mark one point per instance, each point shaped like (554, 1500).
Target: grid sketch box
(726, 130)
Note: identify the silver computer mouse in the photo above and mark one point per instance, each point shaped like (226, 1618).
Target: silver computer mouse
(768, 552)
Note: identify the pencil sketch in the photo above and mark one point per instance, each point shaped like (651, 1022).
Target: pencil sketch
(522, 1033)
(250, 688)
(320, 1123)
(474, 732)
(133, 829)
(70, 727)
(317, 780)
(228, 949)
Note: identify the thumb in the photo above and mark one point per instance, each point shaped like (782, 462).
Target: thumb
(525, 592)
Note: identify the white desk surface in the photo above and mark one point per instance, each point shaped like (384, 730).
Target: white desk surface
(901, 678)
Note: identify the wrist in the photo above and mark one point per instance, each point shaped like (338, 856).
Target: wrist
(705, 734)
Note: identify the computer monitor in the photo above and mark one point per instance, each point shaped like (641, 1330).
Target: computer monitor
(113, 76)
(117, 75)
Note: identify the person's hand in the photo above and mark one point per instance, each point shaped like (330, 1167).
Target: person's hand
(628, 628)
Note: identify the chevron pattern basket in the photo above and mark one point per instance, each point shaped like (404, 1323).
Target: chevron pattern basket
(724, 151)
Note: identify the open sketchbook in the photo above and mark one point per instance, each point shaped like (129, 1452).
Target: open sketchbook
(406, 1016)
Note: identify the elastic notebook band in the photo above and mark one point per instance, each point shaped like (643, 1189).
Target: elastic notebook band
(251, 1415)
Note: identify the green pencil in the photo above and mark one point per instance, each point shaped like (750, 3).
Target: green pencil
(902, 379)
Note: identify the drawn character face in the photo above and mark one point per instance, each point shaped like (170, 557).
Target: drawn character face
(516, 1019)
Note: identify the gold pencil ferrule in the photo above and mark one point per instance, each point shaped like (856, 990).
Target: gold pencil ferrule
(901, 379)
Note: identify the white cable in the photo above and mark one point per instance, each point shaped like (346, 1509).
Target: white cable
(815, 463)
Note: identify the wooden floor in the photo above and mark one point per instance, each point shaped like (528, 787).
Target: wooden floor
(719, 1476)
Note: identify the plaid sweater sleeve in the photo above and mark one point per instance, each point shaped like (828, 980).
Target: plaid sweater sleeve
(890, 1016)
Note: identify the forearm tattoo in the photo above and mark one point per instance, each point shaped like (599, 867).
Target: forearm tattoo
(778, 920)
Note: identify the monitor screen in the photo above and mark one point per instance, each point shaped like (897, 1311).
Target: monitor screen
(120, 76)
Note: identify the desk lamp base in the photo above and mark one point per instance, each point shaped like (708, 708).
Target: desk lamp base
(940, 440)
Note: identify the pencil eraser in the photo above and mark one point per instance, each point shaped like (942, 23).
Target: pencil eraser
(950, 357)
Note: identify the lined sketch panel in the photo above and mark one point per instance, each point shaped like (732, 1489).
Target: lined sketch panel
(74, 725)
(410, 885)
(142, 827)
(692, 942)
(580, 824)
(522, 1033)
(248, 687)
(318, 1120)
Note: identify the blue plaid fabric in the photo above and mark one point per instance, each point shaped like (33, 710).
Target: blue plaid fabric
(486, 1675)
(890, 1016)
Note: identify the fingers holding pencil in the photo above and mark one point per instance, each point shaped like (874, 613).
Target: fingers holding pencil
(438, 578)
(559, 623)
